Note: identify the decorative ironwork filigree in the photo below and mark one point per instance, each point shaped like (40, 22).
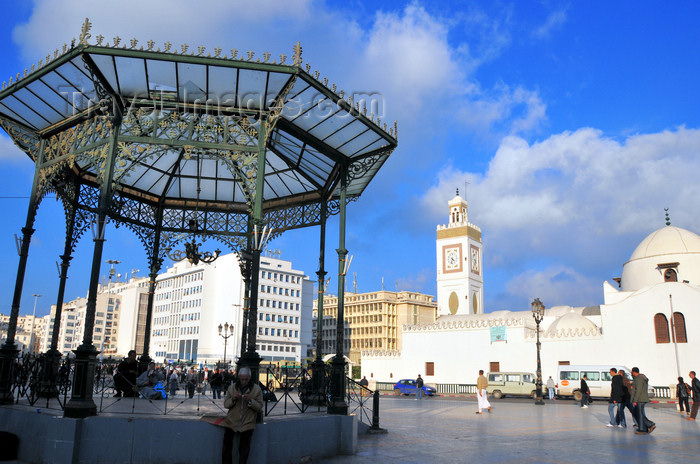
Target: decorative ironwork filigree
(362, 166)
(26, 140)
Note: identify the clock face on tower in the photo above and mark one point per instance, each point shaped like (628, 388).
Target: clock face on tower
(452, 258)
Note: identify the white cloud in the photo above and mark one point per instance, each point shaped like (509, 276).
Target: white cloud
(405, 55)
(554, 21)
(578, 198)
(9, 151)
(555, 285)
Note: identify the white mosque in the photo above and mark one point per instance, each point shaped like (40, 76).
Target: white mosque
(644, 322)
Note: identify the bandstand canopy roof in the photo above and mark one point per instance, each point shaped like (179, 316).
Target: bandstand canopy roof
(193, 97)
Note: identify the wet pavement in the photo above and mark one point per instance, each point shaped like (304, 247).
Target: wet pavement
(448, 431)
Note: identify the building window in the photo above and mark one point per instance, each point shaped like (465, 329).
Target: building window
(679, 328)
(429, 369)
(661, 328)
(670, 275)
(494, 366)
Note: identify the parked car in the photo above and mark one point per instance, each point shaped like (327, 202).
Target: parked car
(408, 387)
(511, 383)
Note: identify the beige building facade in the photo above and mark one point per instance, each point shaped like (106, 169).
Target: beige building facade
(372, 320)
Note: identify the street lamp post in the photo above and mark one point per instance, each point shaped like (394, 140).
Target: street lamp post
(538, 315)
(225, 332)
(31, 335)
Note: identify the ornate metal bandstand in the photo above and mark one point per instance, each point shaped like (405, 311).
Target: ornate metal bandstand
(180, 145)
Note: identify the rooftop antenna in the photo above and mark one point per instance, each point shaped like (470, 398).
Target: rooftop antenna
(382, 283)
(668, 219)
(354, 282)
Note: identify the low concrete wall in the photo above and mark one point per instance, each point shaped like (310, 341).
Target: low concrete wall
(45, 438)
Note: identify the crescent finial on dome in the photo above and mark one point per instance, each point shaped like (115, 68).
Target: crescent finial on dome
(668, 219)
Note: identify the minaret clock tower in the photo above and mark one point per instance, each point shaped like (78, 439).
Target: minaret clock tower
(460, 277)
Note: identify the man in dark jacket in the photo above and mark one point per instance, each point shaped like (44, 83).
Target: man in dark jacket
(584, 392)
(125, 377)
(695, 387)
(616, 397)
(640, 397)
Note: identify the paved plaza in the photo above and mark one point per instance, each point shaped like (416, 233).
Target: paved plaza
(449, 431)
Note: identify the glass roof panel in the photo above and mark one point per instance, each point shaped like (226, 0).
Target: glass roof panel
(162, 81)
(5, 109)
(55, 100)
(331, 124)
(208, 187)
(74, 71)
(378, 144)
(19, 108)
(251, 88)
(106, 65)
(346, 133)
(358, 143)
(300, 103)
(222, 85)
(39, 106)
(274, 86)
(224, 191)
(132, 77)
(145, 179)
(192, 82)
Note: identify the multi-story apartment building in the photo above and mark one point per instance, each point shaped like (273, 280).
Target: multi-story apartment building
(373, 320)
(28, 334)
(192, 301)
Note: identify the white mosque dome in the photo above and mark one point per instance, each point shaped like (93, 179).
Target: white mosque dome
(571, 324)
(665, 251)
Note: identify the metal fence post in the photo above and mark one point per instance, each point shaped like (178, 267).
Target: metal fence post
(375, 415)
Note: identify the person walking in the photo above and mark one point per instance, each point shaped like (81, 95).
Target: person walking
(419, 388)
(364, 383)
(550, 387)
(584, 392)
(616, 397)
(481, 395)
(695, 388)
(626, 403)
(683, 393)
(243, 400)
(640, 397)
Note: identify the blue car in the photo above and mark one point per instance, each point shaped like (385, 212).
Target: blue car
(408, 387)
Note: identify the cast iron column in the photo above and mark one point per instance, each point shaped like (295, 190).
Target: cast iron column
(8, 351)
(338, 404)
(52, 357)
(156, 263)
(81, 403)
(251, 358)
(318, 370)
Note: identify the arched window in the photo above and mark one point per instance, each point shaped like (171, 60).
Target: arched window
(661, 329)
(679, 328)
(670, 275)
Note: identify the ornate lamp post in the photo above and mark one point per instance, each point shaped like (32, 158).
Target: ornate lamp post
(538, 315)
(225, 332)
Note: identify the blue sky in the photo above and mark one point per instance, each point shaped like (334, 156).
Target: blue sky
(574, 123)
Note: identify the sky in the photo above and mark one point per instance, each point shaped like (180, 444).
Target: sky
(567, 126)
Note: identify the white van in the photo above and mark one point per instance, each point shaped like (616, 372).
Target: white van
(511, 383)
(598, 379)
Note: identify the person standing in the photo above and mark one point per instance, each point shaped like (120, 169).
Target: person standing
(364, 383)
(174, 382)
(682, 393)
(215, 382)
(190, 382)
(584, 391)
(481, 395)
(695, 387)
(616, 397)
(243, 400)
(419, 388)
(550, 387)
(640, 397)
